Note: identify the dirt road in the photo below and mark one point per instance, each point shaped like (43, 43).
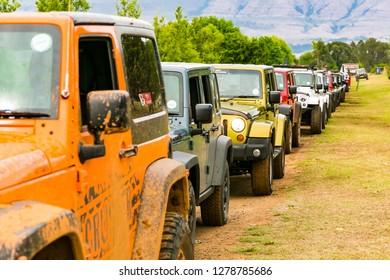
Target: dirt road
(220, 243)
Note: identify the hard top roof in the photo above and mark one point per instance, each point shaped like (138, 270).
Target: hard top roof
(81, 18)
(279, 69)
(243, 66)
(185, 66)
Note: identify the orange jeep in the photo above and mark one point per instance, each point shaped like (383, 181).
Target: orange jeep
(85, 158)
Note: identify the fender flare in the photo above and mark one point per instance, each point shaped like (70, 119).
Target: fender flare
(191, 163)
(223, 151)
(261, 129)
(280, 130)
(285, 109)
(165, 189)
(297, 112)
(30, 226)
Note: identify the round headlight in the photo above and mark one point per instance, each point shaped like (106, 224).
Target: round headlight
(238, 125)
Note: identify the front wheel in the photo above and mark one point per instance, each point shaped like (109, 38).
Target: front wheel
(215, 209)
(316, 120)
(296, 134)
(324, 116)
(330, 108)
(262, 175)
(288, 143)
(176, 242)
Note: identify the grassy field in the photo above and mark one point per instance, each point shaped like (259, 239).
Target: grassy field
(337, 206)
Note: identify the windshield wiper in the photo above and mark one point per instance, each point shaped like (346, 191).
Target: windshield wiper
(22, 114)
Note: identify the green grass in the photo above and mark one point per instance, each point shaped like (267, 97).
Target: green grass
(337, 207)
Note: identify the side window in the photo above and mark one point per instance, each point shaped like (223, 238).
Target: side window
(143, 75)
(144, 83)
(200, 92)
(272, 80)
(267, 83)
(215, 92)
(290, 79)
(207, 89)
(96, 68)
(195, 95)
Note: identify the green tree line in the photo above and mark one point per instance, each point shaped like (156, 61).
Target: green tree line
(217, 40)
(367, 54)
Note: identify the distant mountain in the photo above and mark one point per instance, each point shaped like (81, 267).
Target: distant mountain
(298, 22)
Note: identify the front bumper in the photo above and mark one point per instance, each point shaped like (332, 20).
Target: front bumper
(245, 152)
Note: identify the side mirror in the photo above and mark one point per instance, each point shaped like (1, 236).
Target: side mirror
(204, 113)
(107, 112)
(274, 97)
(292, 89)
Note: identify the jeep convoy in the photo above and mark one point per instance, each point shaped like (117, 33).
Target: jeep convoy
(105, 152)
(85, 151)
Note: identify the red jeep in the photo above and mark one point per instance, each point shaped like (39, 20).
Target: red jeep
(289, 106)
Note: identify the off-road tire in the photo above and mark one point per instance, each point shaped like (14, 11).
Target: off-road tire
(176, 241)
(324, 116)
(262, 175)
(316, 120)
(342, 96)
(279, 163)
(288, 143)
(330, 108)
(296, 134)
(334, 105)
(192, 211)
(215, 209)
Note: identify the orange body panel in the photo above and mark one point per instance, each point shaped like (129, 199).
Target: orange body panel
(39, 158)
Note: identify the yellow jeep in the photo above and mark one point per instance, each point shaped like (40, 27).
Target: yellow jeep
(251, 118)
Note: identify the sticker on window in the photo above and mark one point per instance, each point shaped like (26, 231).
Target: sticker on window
(172, 104)
(41, 42)
(145, 98)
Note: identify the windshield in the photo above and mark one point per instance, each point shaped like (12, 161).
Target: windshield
(173, 84)
(239, 83)
(29, 70)
(303, 79)
(280, 81)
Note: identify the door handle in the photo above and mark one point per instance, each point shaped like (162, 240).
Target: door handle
(128, 152)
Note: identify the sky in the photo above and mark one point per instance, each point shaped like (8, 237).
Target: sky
(298, 22)
(149, 8)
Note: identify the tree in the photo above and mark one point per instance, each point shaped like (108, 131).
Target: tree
(340, 53)
(8, 6)
(208, 41)
(128, 8)
(62, 5)
(321, 54)
(307, 59)
(230, 44)
(175, 39)
(216, 40)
